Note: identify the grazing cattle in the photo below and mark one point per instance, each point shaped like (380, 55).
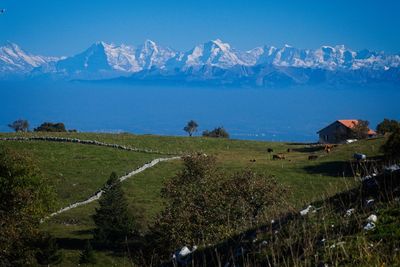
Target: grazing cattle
(270, 150)
(328, 148)
(278, 156)
(253, 160)
(312, 157)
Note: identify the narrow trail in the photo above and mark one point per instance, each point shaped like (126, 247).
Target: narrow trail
(98, 194)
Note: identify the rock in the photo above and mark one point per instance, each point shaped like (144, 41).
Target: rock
(369, 226)
(349, 212)
(306, 210)
(370, 202)
(372, 218)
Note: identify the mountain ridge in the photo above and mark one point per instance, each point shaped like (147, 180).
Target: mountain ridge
(214, 60)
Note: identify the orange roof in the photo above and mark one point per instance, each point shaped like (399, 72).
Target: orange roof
(352, 123)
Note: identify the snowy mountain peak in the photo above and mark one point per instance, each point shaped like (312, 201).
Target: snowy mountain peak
(149, 42)
(103, 60)
(223, 46)
(15, 59)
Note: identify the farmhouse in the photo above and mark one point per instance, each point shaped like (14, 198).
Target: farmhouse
(339, 131)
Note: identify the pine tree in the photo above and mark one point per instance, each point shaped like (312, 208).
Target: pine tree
(87, 255)
(112, 219)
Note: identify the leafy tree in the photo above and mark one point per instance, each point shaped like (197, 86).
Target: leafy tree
(206, 205)
(191, 127)
(19, 125)
(48, 252)
(360, 130)
(51, 127)
(218, 132)
(25, 198)
(87, 255)
(113, 221)
(392, 146)
(388, 126)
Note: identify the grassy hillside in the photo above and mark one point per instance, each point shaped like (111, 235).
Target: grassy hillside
(77, 170)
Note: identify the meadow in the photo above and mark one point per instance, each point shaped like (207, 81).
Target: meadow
(76, 171)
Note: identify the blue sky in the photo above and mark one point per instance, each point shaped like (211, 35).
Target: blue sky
(65, 27)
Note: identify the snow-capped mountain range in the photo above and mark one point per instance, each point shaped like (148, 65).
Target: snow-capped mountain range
(214, 61)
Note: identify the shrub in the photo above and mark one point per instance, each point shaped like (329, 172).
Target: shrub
(25, 198)
(87, 255)
(392, 146)
(51, 127)
(218, 132)
(388, 126)
(206, 205)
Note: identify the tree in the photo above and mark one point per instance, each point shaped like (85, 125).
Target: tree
(206, 205)
(360, 130)
(392, 146)
(51, 127)
(388, 126)
(218, 132)
(113, 221)
(19, 125)
(25, 198)
(87, 255)
(48, 252)
(191, 127)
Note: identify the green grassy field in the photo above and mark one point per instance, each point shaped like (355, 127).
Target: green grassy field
(76, 170)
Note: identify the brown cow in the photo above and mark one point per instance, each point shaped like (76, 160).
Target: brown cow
(328, 148)
(278, 156)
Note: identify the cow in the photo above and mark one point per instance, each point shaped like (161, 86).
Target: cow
(270, 150)
(278, 156)
(328, 148)
(312, 157)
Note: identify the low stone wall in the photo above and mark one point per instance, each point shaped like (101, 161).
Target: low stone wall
(98, 194)
(85, 142)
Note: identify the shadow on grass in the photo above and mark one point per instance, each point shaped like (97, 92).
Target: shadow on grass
(71, 243)
(83, 232)
(332, 168)
(310, 149)
(301, 144)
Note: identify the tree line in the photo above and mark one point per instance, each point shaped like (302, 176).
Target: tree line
(218, 132)
(23, 126)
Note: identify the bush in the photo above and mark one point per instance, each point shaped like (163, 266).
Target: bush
(51, 127)
(392, 146)
(218, 132)
(206, 205)
(48, 252)
(25, 198)
(87, 255)
(388, 126)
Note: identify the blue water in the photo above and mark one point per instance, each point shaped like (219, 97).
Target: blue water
(280, 114)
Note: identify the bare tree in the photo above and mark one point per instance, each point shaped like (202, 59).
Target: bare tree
(19, 125)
